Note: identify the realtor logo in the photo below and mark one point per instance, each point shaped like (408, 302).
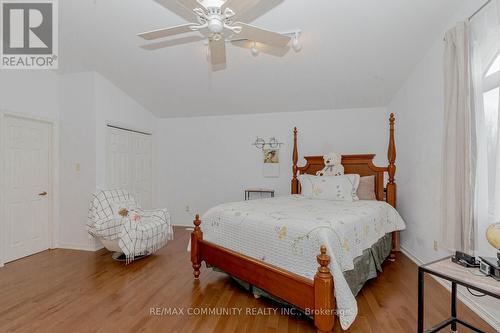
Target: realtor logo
(29, 34)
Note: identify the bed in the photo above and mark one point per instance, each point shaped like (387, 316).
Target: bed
(271, 243)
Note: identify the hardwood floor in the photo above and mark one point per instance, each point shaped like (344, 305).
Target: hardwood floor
(75, 291)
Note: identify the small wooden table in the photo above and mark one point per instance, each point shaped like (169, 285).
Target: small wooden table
(457, 275)
(249, 191)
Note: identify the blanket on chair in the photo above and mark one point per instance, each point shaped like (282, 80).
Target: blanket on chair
(138, 233)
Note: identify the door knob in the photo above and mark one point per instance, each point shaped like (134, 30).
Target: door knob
(42, 194)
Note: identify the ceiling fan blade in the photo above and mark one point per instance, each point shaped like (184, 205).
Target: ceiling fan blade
(160, 33)
(240, 6)
(217, 51)
(189, 4)
(260, 35)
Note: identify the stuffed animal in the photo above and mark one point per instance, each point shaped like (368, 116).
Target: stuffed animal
(123, 212)
(333, 165)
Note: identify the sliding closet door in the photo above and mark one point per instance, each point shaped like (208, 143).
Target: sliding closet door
(128, 163)
(141, 167)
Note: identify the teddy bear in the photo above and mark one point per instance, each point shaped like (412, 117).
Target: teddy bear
(333, 165)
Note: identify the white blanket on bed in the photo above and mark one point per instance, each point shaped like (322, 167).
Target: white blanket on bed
(287, 232)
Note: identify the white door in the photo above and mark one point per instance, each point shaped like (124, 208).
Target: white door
(128, 163)
(27, 189)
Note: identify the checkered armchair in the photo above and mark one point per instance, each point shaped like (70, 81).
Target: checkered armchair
(115, 215)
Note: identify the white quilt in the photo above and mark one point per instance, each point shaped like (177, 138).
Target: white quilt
(287, 232)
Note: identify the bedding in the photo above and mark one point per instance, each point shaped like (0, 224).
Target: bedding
(342, 188)
(287, 232)
(366, 188)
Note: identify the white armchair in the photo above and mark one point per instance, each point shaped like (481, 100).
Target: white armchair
(118, 221)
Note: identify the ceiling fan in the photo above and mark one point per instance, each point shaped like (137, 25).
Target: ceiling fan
(217, 19)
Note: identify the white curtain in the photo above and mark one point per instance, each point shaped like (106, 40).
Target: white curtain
(457, 177)
(485, 69)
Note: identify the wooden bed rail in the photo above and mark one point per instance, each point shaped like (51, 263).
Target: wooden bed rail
(315, 297)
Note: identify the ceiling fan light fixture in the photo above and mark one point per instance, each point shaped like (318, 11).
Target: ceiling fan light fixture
(200, 12)
(296, 44)
(255, 50)
(215, 25)
(228, 13)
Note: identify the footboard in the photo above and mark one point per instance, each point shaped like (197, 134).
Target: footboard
(314, 296)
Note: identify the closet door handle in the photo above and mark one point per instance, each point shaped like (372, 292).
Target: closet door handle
(42, 194)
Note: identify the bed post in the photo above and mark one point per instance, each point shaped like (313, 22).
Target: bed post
(295, 159)
(196, 236)
(391, 169)
(324, 301)
(391, 185)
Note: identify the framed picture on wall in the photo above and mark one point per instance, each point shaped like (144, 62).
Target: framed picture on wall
(271, 156)
(271, 159)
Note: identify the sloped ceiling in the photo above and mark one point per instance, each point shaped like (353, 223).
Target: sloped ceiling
(356, 53)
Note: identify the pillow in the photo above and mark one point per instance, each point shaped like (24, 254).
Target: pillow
(366, 189)
(338, 188)
(121, 209)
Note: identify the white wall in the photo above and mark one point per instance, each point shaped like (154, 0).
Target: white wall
(78, 147)
(419, 107)
(205, 161)
(32, 93)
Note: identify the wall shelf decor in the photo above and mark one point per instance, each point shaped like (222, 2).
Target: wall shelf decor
(272, 143)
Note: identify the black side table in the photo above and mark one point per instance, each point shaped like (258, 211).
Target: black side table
(249, 191)
(457, 275)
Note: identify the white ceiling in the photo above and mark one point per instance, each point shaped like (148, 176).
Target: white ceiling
(356, 53)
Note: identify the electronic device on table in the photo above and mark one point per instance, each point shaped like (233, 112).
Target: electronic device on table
(464, 259)
(487, 266)
(490, 267)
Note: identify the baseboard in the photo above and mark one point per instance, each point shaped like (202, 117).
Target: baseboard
(465, 298)
(80, 247)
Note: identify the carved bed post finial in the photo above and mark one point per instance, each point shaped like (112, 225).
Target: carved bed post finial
(295, 159)
(324, 301)
(196, 236)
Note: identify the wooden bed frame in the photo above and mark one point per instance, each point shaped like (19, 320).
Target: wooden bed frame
(315, 296)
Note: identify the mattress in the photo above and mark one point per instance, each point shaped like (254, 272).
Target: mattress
(288, 231)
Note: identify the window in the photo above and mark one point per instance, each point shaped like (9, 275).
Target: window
(495, 67)
(485, 70)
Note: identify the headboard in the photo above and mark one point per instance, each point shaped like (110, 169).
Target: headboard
(357, 164)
